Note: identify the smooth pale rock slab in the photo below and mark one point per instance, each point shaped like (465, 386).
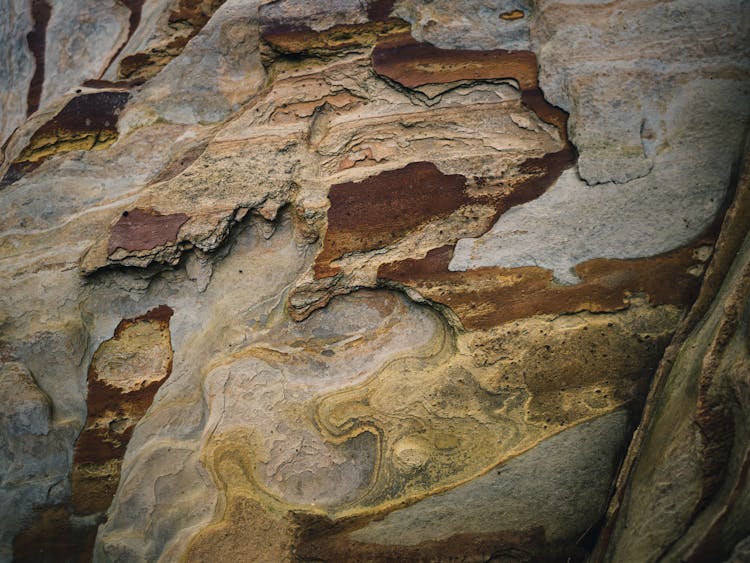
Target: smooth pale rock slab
(571, 476)
(217, 72)
(574, 222)
(82, 37)
(16, 65)
(32, 451)
(615, 68)
(469, 24)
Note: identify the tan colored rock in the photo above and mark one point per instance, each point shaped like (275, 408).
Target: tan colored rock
(415, 311)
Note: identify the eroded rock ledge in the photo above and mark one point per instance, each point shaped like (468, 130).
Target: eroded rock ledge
(372, 281)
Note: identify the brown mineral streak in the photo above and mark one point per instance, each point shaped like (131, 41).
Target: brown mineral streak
(295, 37)
(37, 40)
(381, 209)
(88, 112)
(97, 445)
(373, 213)
(488, 297)
(135, 7)
(88, 116)
(86, 122)
(143, 229)
(52, 538)
(402, 59)
(379, 10)
(296, 40)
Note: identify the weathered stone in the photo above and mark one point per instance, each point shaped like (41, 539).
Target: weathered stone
(415, 309)
(298, 28)
(81, 38)
(485, 297)
(125, 374)
(32, 448)
(683, 491)
(86, 122)
(143, 230)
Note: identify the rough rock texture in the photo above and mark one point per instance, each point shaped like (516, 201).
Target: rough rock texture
(684, 490)
(381, 280)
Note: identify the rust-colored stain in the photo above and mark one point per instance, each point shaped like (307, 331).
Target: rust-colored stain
(381, 209)
(52, 538)
(135, 7)
(37, 41)
(384, 208)
(533, 98)
(379, 10)
(513, 15)
(488, 297)
(184, 23)
(87, 122)
(116, 405)
(412, 64)
(533, 177)
(92, 112)
(105, 84)
(144, 229)
(300, 40)
(113, 411)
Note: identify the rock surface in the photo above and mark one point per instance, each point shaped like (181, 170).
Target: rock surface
(684, 490)
(372, 281)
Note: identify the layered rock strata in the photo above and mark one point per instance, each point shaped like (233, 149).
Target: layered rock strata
(368, 281)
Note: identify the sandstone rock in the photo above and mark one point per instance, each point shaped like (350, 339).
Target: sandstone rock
(343, 281)
(32, 450)
(18, 65)
(683, 491)
(81, 39)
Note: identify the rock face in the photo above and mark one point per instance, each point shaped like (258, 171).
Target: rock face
(684, 489)
(373, 281)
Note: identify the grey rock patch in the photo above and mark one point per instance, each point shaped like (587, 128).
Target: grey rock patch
(468, 24)
(562, 484)
(574, 222)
